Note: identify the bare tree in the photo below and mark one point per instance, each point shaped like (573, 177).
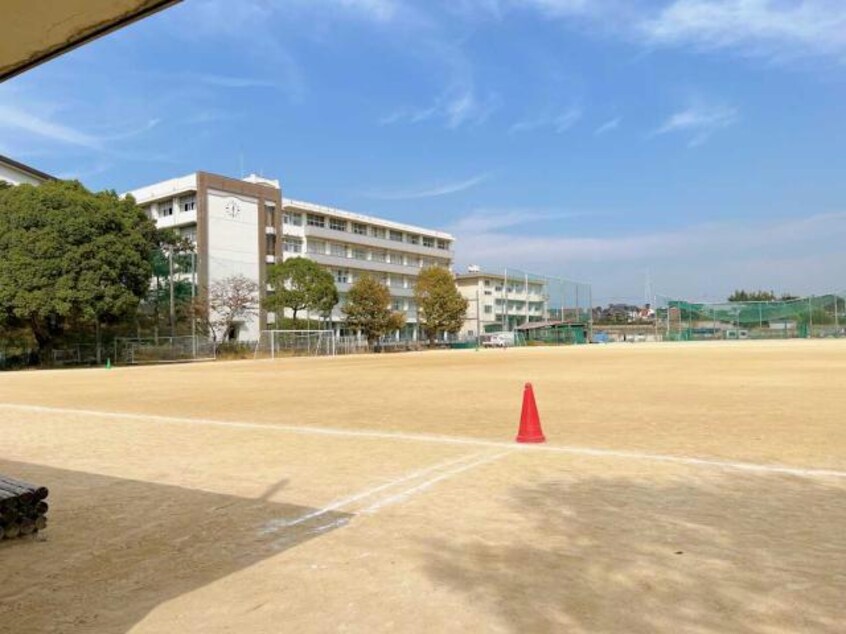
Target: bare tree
(230, 300)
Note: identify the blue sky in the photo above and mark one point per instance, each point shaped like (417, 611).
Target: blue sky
(701, 141)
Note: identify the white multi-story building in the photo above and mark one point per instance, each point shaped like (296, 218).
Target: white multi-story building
(238, 228)
(500, 301)
(351, 244)
(233, 223)
(16, 173)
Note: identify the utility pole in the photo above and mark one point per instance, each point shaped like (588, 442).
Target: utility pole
(478, 320)
(172, 307)
(194, 303)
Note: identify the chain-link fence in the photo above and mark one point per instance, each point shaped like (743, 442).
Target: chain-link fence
(813, 316)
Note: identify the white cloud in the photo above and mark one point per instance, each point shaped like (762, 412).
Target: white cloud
(225, 81)
(484, 221)
(800, 255)
(431, 191)
(776, 29)
(770, 27)
(608, 126)
(559, 122)
(456, 108)
(699, 121)
(13, 118)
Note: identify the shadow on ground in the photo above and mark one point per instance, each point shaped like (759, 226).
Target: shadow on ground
(115, 549)
(728, 554)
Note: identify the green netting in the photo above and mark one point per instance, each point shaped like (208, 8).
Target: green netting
(814, 316)
(525, 297)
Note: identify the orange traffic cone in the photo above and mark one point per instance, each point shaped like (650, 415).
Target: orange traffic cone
(530, 425)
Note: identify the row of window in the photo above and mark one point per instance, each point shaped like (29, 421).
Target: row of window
(164, 208)
(397, 303)
(355, 252)
(537, 289)
(339, 224)
(345, 276)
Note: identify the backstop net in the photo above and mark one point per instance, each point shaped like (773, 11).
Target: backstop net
(295, 343)
(813, 316)
(541, 308)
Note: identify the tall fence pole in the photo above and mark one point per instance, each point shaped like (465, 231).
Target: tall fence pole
(810, 316)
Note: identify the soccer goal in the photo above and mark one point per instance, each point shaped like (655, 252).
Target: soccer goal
(295, 343)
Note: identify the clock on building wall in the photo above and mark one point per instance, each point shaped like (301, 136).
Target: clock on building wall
(232, 208)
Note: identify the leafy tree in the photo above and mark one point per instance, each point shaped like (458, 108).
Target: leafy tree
(69, 256)
(230, 300)
(300, 284)
(440, 306)
(368, 309)
(170, 288)
(752, 296)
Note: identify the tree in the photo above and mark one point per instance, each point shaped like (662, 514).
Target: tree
(440, 307)
(300, 284)
(69, 256)
(752, 296)
(368, 309)
(230, 300)
(172, 263)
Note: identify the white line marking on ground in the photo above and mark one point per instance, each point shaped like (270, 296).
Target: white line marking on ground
(346, 501)
(448, 440)
(399, 497)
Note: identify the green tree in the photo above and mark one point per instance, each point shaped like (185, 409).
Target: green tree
(300, 284)
(440, 307)
(368, 309)
(752, 296)
(71, 257)
(171, 290)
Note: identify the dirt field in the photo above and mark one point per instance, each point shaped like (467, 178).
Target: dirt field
(684, 488)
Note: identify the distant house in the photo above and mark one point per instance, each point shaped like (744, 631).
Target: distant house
(16, 173)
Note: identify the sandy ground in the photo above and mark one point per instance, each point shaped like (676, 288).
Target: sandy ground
(684, 488)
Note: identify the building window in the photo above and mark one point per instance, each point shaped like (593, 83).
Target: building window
(398, 304)
(379, 256)
(342, 276)
(165, 209)
(292, 245)
(413, 239)
(443, 245)
(337, 224)
(270, 215)
(388, 280)
(188, 203)
(428, 242)
(359, 254)
(317, 246)
(396, 236)
(189, 233)
(487, 283)
(292, 219)
(359, 229)
(270, 244)
(338, 250)
(377, 232)
(488, 310)
(316, 221)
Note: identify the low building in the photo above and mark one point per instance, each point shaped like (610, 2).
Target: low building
(16, 173)
(351, 244)
(500, 302)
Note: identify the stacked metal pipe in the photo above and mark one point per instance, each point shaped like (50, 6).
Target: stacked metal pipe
(23, 509)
